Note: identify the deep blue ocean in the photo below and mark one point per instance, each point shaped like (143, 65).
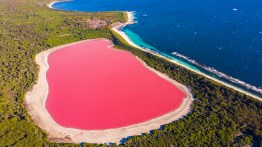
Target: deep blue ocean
(220, 37)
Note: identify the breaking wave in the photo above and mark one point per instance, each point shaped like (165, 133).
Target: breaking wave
(220, 74)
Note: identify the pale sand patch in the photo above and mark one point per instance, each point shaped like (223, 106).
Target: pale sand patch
(51, 4)
(117, 29)
(36, 99)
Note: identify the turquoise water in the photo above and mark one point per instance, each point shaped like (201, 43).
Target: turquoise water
(139, 41)
(222, 38)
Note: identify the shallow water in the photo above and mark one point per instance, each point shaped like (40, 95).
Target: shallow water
(222, 34)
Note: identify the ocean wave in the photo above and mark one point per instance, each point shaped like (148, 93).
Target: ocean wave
(220, 74)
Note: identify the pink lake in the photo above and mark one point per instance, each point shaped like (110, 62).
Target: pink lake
(95, 87)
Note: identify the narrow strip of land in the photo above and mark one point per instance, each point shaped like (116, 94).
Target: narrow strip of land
(117, 29)
(36, 99)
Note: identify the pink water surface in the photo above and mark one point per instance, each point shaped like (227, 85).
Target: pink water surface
(94, 87)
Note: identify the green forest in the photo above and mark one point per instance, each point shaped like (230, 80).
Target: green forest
(220, 116)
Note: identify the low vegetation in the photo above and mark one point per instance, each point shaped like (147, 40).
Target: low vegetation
(220, 116)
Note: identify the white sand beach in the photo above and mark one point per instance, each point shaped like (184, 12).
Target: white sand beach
(36, 98)
(50, 5)
(117, 29)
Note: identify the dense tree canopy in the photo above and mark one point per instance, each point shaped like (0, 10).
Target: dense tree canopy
(220, 116)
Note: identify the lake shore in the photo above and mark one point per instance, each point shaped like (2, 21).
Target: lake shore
(35, 102)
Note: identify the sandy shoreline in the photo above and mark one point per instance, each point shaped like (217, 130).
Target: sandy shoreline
(117, 29)
(50, 5)
(36, 98)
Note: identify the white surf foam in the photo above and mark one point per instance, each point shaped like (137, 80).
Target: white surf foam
(220, 74)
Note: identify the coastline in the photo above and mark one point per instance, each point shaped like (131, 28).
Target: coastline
(50, 5)
(35, 101)
(117, 29)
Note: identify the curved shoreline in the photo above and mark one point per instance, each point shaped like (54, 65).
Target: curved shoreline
(117, 29)
(36, 98)
(50, 5)
(35, 103)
